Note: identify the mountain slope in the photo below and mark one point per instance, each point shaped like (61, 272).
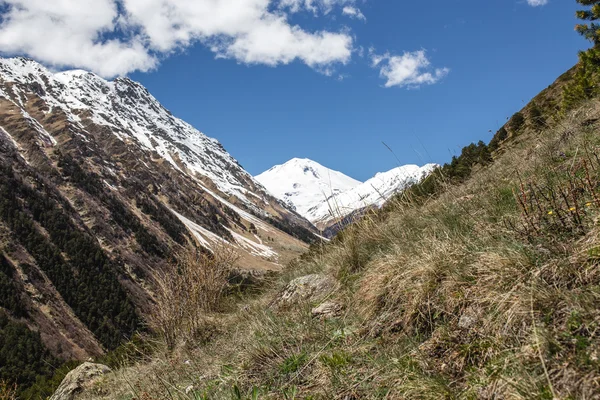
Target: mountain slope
(101, 186)
(324, 196)
(131, 114)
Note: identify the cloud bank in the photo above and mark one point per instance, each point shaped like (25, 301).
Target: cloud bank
(115, 37)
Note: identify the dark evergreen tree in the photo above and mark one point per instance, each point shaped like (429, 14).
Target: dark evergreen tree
(591, 30)
(23, 357)
(10, 296)
(536, 117)
(516, 122)
(86, 278)
(584, 84)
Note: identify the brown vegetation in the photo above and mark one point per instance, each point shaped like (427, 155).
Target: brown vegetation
(189, 289)
(7, 391)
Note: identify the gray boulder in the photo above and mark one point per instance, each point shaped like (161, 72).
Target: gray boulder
(328, 309)
(78, 380)
(305, 288)
(470, 318)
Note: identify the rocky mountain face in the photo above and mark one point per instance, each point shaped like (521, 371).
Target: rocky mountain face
(100, 186)
(327, 198)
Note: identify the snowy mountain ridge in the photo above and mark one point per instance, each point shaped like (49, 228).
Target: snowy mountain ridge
(322, 195)
(132, 114)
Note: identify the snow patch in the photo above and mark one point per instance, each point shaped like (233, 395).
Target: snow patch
(254, 248)
(208, 239)
(203, 235)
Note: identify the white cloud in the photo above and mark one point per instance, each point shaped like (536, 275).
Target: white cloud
(536, 3)
(115, 37)
(313, 5)
(353, 12)
(412, 69)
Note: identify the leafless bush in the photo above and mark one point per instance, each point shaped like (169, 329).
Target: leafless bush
(188, 290)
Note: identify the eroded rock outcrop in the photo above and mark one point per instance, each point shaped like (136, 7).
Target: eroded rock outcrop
(78, 380)
(306, 288)
(328, 309)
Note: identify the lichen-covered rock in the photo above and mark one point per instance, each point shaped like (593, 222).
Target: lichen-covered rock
(78, 380)
(469, 318)
(305, 288)
(328, 309)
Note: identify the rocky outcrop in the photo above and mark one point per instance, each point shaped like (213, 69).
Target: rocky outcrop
(326, 310)
(78, 380)
(306, 288)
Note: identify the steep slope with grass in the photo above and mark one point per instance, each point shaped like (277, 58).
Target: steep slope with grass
(481, 282)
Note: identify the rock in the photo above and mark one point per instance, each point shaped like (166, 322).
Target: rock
(79, 379)
(469, 318)
(309, 287)
(247, 278)
(328, 309)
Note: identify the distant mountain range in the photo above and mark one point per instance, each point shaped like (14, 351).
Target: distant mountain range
(324, 196)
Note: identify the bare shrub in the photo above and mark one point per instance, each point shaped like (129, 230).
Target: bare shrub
(190, 289)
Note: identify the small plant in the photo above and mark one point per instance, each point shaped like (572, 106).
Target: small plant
(236, 393)
(290, 393)
(336, 361)
(562, 205)
(293, 363)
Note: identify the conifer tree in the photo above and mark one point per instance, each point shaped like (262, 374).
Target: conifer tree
(590, 31)
(585, 81)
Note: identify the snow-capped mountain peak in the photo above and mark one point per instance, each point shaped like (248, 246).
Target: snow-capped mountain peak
(322, 195)
(303, 183)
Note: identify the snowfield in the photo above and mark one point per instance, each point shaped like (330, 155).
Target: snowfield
(303, 183)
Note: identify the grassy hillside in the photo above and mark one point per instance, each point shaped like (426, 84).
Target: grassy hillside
(481, 283)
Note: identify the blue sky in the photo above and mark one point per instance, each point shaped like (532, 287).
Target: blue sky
(268, 100)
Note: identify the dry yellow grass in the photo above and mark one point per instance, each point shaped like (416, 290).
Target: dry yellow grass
(7, 391)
